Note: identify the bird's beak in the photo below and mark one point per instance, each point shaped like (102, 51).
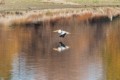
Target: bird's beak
(67, 47)
(68, 33)
(55, 31)
(55, 49)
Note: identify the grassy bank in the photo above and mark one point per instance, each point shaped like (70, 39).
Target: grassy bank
(40, 16)
(28, 11)
(16, 5)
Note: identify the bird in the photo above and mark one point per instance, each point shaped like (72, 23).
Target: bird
(61, 48)
(62, 33)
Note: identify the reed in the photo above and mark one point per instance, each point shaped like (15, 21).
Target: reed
(32, 17)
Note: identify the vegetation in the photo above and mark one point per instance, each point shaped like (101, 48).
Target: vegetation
(43, 4)
(96, 1)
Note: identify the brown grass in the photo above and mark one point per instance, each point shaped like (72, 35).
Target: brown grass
(21, 18)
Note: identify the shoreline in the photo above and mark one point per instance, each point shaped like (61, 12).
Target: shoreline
(14, 18)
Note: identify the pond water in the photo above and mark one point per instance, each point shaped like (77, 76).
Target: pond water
(26, 52)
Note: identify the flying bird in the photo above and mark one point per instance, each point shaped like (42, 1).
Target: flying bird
(62, 33)
(61, 48)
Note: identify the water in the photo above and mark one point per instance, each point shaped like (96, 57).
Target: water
(26, 53)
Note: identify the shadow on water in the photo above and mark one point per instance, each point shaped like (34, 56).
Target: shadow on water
(26, 52)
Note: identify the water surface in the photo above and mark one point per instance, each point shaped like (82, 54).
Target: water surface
(26, 52)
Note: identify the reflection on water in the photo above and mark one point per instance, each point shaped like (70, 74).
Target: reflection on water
(26, 53)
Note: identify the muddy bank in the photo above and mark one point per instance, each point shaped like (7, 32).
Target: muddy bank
(53, 16)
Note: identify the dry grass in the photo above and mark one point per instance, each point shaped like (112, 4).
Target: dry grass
(16, 5)
(23, 17)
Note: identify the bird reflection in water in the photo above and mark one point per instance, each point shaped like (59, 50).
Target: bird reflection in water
(61, 47)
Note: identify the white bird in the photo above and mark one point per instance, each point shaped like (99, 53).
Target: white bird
(61, 48)
(61, 32)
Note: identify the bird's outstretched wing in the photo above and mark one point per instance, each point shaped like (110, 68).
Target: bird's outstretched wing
(61, 44)
(63, 35)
